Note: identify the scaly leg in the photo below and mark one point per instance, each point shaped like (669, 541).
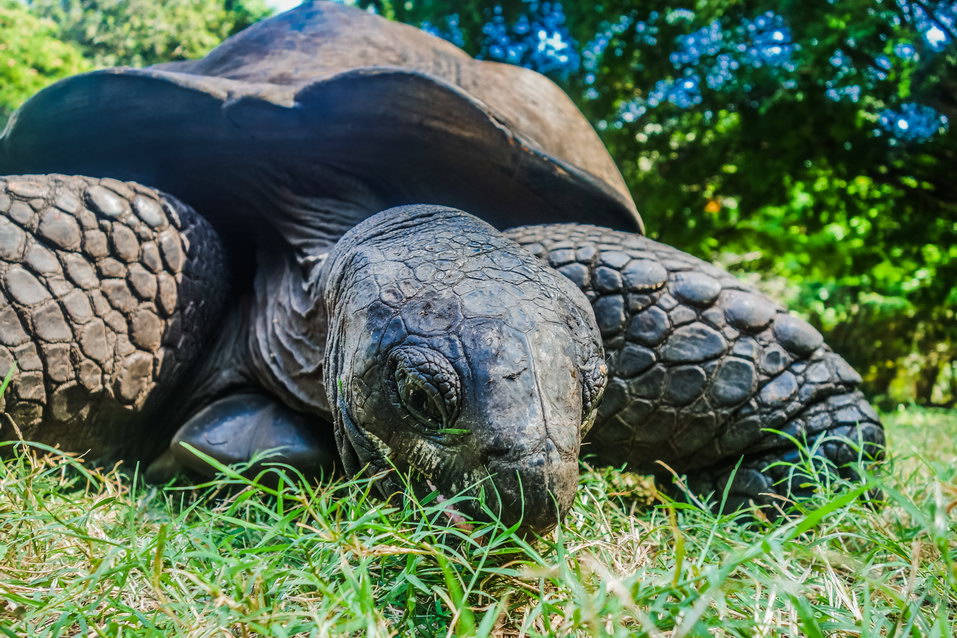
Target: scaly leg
(107, 292)
(702, 367)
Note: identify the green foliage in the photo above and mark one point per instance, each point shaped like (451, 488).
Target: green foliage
(144, 32)
(42, 41)
(31, 56)
(88, 552)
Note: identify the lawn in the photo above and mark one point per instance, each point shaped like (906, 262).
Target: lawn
(97, 553)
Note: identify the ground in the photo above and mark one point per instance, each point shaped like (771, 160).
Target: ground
(94, 553)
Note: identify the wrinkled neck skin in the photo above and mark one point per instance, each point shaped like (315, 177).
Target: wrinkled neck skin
(454, 355)
(287, 336)
(287, 339)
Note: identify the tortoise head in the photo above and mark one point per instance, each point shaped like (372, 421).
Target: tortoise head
(455, 356)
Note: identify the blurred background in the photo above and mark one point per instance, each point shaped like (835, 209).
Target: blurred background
(809, 141)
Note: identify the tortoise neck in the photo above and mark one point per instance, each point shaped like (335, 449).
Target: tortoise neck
(296, 295)
(287, 336)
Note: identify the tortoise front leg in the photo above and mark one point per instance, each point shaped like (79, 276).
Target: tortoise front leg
(705, 370)
(107, 292)
(239, 428)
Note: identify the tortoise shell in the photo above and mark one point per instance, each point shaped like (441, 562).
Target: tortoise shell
(314, 119)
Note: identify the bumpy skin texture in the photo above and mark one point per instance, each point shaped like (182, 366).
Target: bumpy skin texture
(700, 365)
(107, 290)
(454, 353)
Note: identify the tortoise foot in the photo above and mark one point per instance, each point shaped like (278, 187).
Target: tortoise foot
(803, 459)
(243, 428)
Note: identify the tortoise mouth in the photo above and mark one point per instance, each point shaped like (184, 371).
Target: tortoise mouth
(531, 511)
(533, 493)
(371, 452)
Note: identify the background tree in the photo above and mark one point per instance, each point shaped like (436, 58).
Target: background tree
(144, 32)
(31, 56)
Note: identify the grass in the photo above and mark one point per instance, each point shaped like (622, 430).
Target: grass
(96, 553)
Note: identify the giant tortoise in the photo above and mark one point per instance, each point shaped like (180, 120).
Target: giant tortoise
(267, 249)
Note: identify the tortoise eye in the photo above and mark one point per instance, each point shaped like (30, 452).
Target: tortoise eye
(426, 384)
(421, 399)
